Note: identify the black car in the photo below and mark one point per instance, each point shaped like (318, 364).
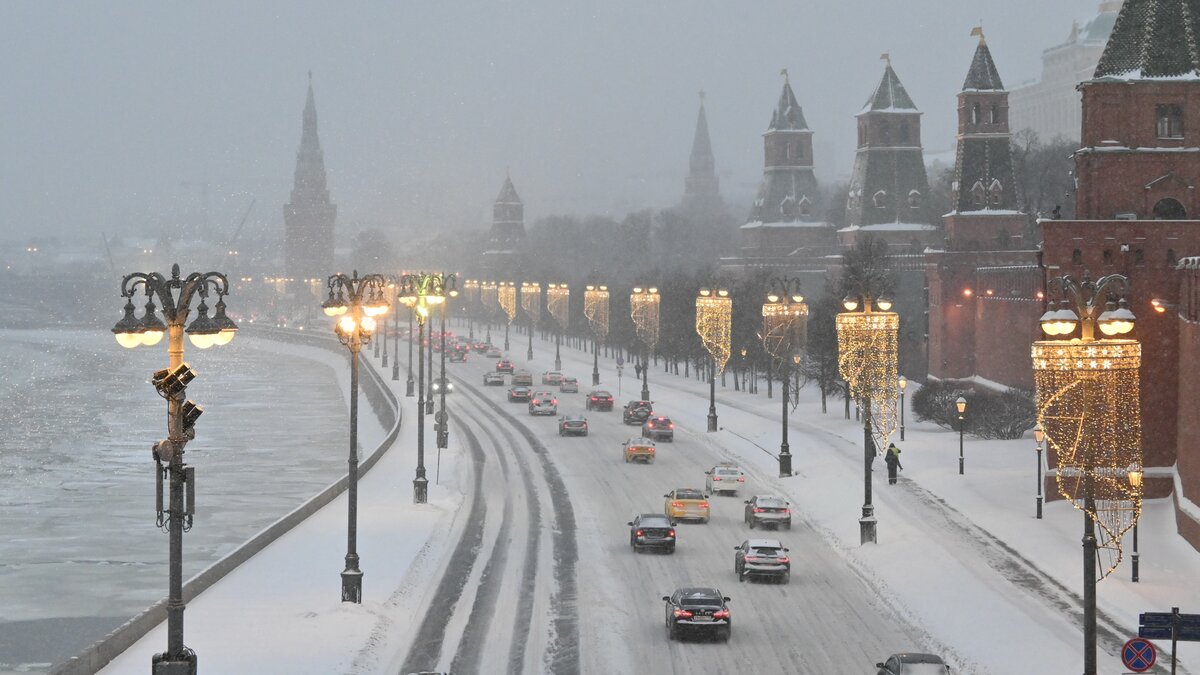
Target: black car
(458, 355)
(652, 530)
(911, 663)
(519, 394)
(599, 400)
(762, 558)
(572, 426)
(636, 412)
(659, 428)
(698, 611)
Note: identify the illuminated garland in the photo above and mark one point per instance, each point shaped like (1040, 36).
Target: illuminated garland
(558, 304)
(471, 291)
(595, 309)
(714, 319)
(783, 327)
(643, 309)
(508, 299)
(1088, 398)
(867, 350)
(488, 296)
(531, 300)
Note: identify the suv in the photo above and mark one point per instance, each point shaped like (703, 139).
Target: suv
(573, 426)
(698, 610)
(552, 377)
(493, 379)
(762, 558)
(569, 385)
(505, 366)
(543, 403)
(659, 428)
(636, 412)
(599, 400)
(724, 478)
(522, 377)
(768, 511)
(652, 530)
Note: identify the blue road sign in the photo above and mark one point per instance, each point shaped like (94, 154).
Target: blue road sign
(1164, 619)
(1138, 655)
(1184, 634)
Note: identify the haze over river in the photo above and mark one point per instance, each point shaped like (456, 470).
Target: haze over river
(79, 549)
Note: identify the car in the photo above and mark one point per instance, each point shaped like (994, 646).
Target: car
(636, 412)
(572, 426)
(519, 394)
(493, 353)
(768, 511)
(659, 428)
(505, 366)
(698, 611)
(439, 383)
(762, 558)
(458, 356)
(652, 530)
(599, 400)
(912, 663)
(568, 385)
(638, 450)
(552, 377)
(481, 347)
(493, 379)
(522, 377)
(724, 478)
(686, 504)
(543, 403)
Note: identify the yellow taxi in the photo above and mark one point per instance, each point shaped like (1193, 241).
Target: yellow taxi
(686, 504)
(639, 450)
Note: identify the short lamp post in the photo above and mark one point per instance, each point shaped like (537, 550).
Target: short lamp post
(1039, 436)
(714, 317)
(558, 304)
(175, 295)
(960, 404)
(357, 301)
(784, 335)
(902, 384)
(1135, 482)
(421, 292)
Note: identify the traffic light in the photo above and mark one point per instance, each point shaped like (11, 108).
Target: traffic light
(172, 382)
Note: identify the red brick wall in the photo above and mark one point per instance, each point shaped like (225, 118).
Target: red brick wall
(1188, 320)
(1002, 350)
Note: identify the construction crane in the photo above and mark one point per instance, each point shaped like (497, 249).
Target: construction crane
(229, 250)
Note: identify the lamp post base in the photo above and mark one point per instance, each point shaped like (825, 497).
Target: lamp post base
(352, 585)
(1039, 507)
(712, 421)
(960, 466)
(395, 371)
(1135, 567)
(645, 393)
(409, 387)
(557, 362)
(785, 464)
(867, 526)
(429, 404)
(383, 363)
(181, 664)
(420, 490)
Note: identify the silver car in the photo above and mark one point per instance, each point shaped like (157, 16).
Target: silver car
(543, 403)
(768, 511)
(568, 385)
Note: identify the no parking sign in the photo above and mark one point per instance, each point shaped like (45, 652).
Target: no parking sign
(1139, 655)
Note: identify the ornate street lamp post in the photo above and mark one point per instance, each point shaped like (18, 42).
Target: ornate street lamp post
(507, 294)
(1038, 437)
(867, 347)
(595, 308)
(784, 336)
(357, 300)
(714, 323)
(531, 303)
(644, 310)
(1089, 406)
(441, 422)
(421, 292)
(902, 383)
(1135, 483)
(960, 404)
(175, 295)
(558, 303)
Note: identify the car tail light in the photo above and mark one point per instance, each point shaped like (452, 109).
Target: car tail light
(722, 614)
(751, 558)
(553, 401)
(536, 402)
(716, 478)
(670, 533)
(788, 511)
(759, 510)
(682, 614)
(677, 505)
(785, 559)
(741, 479)
(639, 533)
(595, 399)
(671, 425)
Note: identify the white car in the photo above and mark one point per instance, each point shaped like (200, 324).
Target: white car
(543, 403)
(724, 478)
(552, 377)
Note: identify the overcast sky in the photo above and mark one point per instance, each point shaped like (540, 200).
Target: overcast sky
(113, 115)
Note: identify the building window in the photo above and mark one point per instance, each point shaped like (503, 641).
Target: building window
(1171, 257)
(862, 134)
(880, 199)
(1169, 209)
(805, 207)
(978, 194)
(904, 137)
(1139, 257)
(885, 133)
(1170, 121)
(1108, 257)
(974, 113)
(791, 150)
(997, 192)
(994, 115)
(1076, 257)
(914, 199)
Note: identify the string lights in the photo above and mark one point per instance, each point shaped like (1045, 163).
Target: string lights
(507, 293)
(714, 322)
(868, 343)
(558, 297)
(595, 309)
(644, 310)
(531, 301)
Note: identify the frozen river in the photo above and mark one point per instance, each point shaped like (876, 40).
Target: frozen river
(79, 550)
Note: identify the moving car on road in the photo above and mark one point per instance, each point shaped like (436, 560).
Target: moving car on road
(543, 403)
(599, 400)
(493, 353)
(686, 504)
(659, 428)
(913, 664)
(440, 383)
(519, 394)
(505, 366)
(698, 611)
(638, 450)
(569, 385)
(768, 511)
(523, 378)
(481, 347)
(762, 558)
(552, 377)
(493, 379)
(636, 412)
(458, 355)
(724, 478)
(572, 425)
(652, 530)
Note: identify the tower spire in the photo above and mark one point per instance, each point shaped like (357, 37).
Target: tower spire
(701, 187)
(309, 216)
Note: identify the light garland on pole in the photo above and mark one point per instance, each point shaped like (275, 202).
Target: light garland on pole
(470, 298)
(784, 336)
(1089, 408)
(489, 297)
(644, 311)
(595, 310)
(558, 304)
(507, 294)
(714, 325)
(531, 304)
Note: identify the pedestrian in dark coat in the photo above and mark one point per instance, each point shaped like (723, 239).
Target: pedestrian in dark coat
(893, 462)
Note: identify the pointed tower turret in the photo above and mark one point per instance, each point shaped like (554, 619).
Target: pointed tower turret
(309, 216)
(508, 231)
(986, 213)
(701, 189)
(1153, 39)
(889, 188)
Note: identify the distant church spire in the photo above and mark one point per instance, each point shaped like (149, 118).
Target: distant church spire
(309, 216)
(701, 188)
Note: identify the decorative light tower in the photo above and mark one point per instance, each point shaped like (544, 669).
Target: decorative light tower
(175, 295)
(714, 324)
(357, 300)
(421, 292)
(441, 422)
(644, 310)
(507, 294)
(595, 308)
(489, 298)
(867, 350)
(558, 304)
(531, 303)
(784, 336)
(1089, 407)
(471, 297)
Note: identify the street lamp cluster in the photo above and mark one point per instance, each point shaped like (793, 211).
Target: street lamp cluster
(714, 325)
(175, 295)
(558, 304)
(531, 304)
(595, 309)
(784, 336)
(644, 311)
